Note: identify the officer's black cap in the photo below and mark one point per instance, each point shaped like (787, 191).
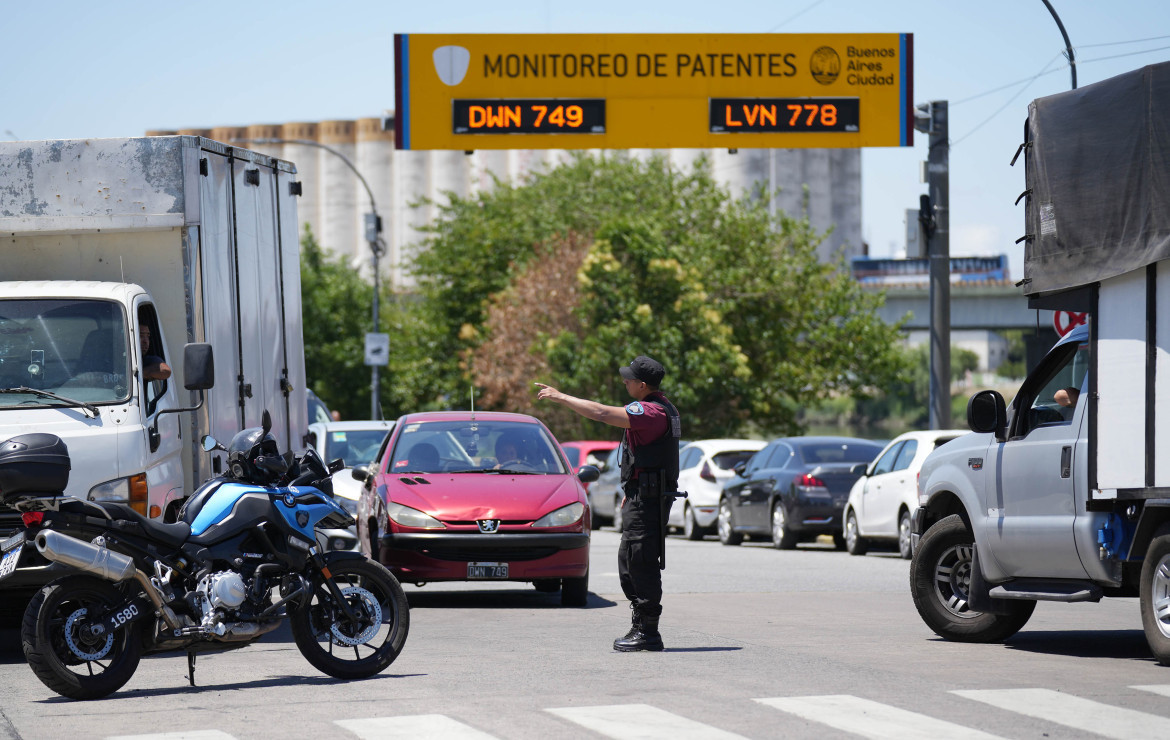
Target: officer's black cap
(646, 369)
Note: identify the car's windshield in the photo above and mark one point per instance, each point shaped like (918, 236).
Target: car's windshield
(354, 446)
(475, 447)
(70, 347)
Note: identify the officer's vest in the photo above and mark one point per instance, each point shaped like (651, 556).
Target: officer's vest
(659, 455)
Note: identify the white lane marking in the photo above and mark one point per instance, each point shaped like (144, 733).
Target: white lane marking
(180, 735)
(1073, 711)
(1163, 689)
(872, 719)
(641, 722)
(412, 727)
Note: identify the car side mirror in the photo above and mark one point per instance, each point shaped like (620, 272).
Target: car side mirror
(987, 414)
(198, 366)
(739, 468)
(859, 469)
(588, 474)
(360, 473)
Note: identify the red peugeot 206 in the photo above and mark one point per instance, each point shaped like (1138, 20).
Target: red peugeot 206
(470, 496)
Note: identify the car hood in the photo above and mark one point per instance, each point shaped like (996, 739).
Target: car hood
(468, 497)
(345, 486)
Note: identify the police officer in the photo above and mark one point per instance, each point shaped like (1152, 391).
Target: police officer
(649, 470)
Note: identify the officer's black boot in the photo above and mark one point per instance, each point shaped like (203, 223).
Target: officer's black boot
(642, 636)
(635, 627)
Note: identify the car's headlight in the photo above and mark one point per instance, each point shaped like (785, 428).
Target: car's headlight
(409, 517)
(562, 517)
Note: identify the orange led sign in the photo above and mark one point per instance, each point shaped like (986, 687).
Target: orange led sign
(624, 91)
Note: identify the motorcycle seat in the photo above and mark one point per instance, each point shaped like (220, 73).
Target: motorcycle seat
(169, 534)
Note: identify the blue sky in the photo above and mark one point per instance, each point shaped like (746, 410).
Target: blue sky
(78, 70)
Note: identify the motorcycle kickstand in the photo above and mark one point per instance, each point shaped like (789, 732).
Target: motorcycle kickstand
(191, 668)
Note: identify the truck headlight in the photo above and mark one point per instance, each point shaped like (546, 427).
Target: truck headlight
(562, 517)
(132, 490)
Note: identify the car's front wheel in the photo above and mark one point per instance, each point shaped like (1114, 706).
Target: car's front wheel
(726, 527)
(940, 582)
(855, 544)
(575, 591)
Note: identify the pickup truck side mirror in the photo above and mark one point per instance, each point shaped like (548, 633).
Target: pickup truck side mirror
(987, 414)
(198, 366)
(588, 474)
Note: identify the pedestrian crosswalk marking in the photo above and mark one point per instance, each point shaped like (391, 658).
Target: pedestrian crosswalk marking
(1073, 711)
(641, 722)
(1163, 689)
(180, 735)
(412, 727)
(872, 719)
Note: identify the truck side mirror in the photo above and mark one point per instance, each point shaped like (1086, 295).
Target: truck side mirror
(987, 414)
(198, 366)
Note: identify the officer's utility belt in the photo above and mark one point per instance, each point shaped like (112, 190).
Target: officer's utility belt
(647, 486)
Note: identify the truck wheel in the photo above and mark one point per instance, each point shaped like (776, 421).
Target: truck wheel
(855, 544)
(904, 527)
(1155, 596)
(782, 538)
(940, 577)
(727, 535)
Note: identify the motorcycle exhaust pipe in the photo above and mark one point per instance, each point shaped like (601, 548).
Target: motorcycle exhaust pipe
(101, 561)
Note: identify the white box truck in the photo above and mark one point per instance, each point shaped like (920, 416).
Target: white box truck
(1065, 494)
(113, 251)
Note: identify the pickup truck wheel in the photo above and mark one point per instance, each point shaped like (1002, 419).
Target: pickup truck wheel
(727, 534)
(1155, 597)
(782, 537)
(940, 578)
(855, 544)
(904, 527)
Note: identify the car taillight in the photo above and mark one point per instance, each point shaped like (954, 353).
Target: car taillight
(809, 481)
(32, 518)
(706, 473)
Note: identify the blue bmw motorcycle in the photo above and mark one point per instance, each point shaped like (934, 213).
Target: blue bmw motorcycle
(242, 558)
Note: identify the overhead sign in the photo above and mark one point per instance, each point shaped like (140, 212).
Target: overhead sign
(662, 91)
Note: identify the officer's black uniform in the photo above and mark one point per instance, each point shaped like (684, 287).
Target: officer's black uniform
(640, 555)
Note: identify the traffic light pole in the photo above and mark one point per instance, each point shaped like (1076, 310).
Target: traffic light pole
(934, 215)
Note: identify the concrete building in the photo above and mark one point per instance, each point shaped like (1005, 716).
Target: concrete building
(334, 202)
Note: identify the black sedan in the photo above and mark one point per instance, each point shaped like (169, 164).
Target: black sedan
(793, 490)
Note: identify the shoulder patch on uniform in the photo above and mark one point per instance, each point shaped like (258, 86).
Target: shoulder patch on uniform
(635, 409)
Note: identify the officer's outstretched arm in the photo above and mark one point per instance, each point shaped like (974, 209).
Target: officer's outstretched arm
(613, 415)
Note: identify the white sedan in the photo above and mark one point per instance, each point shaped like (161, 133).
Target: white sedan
(704, 466)
(882, 501)
(356, 443)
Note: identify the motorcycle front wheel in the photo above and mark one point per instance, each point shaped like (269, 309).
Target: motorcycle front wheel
(359, 648)
(63, 647)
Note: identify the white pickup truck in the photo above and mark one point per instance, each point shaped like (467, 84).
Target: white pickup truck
(1065, 494)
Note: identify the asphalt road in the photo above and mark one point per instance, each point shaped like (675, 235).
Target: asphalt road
(761, 643)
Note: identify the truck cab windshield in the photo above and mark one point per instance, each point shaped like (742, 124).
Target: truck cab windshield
(74, 349)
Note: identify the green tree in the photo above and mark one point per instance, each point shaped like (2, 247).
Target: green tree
(750, 325)
(336, 308)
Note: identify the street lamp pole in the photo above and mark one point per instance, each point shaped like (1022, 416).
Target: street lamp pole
(373, 224)
(1072, 60)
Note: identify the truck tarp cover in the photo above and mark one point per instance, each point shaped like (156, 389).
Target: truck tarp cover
(1099, 171)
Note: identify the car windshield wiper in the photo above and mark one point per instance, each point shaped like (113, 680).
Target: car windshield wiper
(89, 407)
(508, 471)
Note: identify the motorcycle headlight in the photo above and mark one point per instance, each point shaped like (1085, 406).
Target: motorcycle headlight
(409, 517)
(562, 517)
